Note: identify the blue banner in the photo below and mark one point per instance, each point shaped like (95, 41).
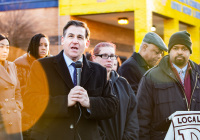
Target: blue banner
(6, 5)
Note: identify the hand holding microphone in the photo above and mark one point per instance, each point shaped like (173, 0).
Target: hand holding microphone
(78, 93)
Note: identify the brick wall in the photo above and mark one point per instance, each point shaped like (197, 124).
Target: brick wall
(123, 38)
(49, 23)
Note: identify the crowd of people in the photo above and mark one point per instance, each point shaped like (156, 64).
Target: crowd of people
(44, 97)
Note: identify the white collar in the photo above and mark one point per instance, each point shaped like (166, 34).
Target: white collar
(68, 61)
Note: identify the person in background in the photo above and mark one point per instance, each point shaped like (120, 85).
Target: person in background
(173, 85)
(117, 64)
(124, 125)
(38, 48)
(151, 50)
(64, 109)
(10, 97)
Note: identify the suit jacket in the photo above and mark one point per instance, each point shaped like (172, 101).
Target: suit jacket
(46, 100)
(133, 69)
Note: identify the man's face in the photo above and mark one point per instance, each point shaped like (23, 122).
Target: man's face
(74, 42)
(153, 54)
(179, 55)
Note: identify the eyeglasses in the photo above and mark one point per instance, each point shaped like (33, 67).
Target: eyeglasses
(106, 56)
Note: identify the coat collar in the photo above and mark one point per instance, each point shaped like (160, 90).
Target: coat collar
(87, 71)
(114, 76)
(140, 60)
(62, 69)
(6, 75)
(165, 66)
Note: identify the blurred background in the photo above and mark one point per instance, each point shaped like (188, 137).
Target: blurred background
(122, 22)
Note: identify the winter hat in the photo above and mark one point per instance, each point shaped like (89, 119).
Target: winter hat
(182, 37)
(153, 38)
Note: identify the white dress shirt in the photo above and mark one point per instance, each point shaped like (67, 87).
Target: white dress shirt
(68, 62)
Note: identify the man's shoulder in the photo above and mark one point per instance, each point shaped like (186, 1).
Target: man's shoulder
(95, 66)
(129, 63)
(195, 66)
(47, 60)
(153, 71)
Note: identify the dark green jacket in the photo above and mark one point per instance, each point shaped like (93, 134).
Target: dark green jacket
(160, 94)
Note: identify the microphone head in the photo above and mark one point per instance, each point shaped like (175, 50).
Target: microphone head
(78, 64)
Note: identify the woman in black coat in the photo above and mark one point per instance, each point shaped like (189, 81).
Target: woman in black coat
(124, 125)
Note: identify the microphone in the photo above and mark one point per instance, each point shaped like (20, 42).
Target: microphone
(78, 66)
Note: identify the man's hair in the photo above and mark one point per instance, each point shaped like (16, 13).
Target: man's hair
(77, 24)
(141, 45)
(33, 48)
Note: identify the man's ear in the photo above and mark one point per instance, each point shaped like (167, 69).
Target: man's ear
(87, 43)
(144, 47)
(62, 40)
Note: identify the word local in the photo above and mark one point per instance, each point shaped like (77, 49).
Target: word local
(189, 119)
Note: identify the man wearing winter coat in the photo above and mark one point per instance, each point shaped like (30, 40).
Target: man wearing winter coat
(151, 50)
(171, 86)
(60, 108)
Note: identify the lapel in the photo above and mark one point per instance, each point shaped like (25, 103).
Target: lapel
(87, 71)
(141, 62)
(4, 73)
(165, 66)
(62, 69)
(194, 75)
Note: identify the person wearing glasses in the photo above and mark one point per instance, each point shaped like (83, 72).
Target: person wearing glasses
(124, 125)
(10, 96)
(151, 50)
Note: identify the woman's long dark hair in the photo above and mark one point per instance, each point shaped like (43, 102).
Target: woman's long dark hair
(2, 37)
(34, 45)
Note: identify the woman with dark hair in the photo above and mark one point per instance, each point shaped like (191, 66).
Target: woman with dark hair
(10, 96)
(38, 48)
(124, 125)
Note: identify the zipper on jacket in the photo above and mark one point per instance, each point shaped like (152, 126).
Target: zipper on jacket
(193, 91)
(182, 90)
(188, 105)
(185, 96)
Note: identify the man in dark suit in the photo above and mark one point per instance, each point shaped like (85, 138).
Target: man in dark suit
(150, 52)
(58, 108)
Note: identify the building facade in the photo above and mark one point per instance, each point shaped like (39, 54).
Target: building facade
(167, 16)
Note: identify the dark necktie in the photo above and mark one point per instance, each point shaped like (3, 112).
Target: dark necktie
(74, 75)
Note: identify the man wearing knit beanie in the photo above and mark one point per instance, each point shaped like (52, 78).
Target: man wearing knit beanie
(182, 37)
(171, 86)
(180, 41)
